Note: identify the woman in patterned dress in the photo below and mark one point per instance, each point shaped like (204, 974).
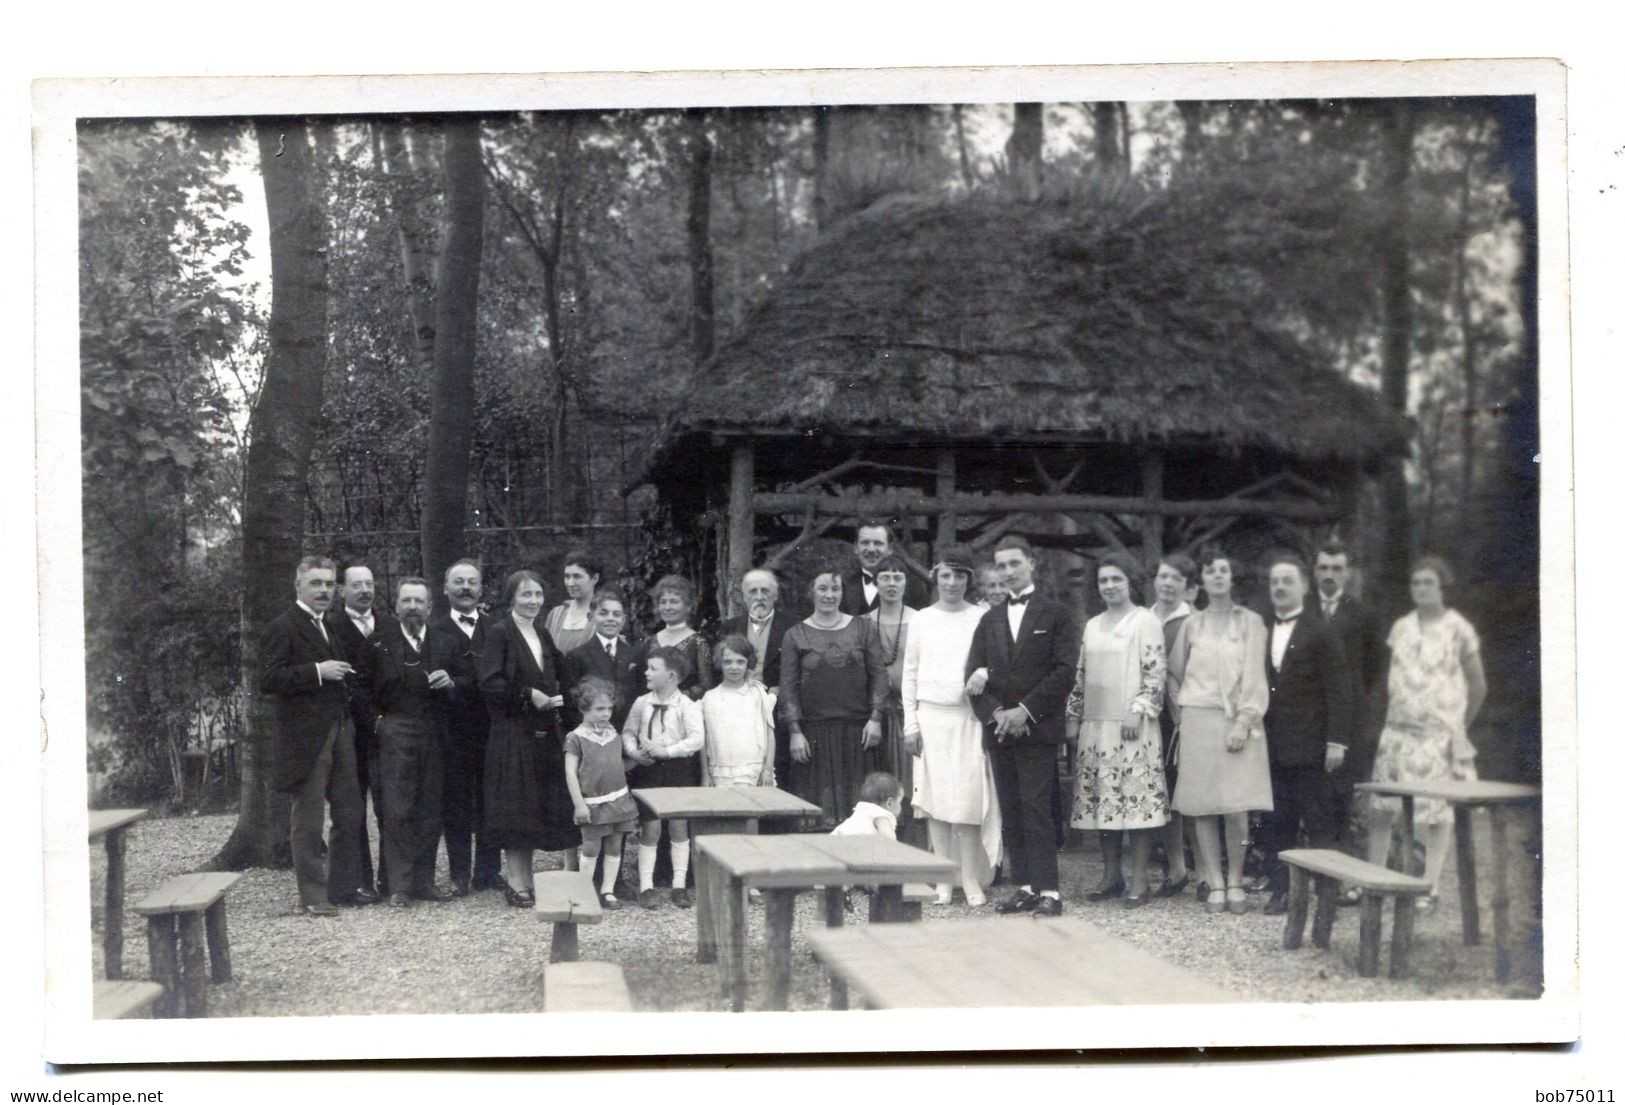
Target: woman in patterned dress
(1113, 712)
(1435, 689)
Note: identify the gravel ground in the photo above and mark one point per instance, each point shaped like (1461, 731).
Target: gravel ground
(478, 955)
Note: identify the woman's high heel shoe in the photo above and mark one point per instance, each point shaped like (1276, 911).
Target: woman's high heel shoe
(1215, 901)
(1235, 900)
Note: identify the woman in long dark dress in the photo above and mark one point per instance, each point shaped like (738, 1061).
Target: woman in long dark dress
(832, 696)
(527, 801)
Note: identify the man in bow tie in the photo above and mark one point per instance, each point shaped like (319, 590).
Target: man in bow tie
(410, 692)
(303, 670)
(457, 638)
(355, 624)
(860, 593)
(1307, 725)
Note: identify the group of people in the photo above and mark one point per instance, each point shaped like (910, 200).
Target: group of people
(527, 730)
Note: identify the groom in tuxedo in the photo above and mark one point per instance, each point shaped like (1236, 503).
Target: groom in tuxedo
(1023, 660)
(303, 671)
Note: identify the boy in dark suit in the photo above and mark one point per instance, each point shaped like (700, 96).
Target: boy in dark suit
(606, 655)
(303, 669)
(1022, 663)
(1307, 724)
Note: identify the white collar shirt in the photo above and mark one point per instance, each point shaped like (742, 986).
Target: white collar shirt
(467, 627)
(1015, 611)
(364, 622)
(1281, 637)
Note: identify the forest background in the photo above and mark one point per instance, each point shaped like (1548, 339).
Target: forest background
(481, 323)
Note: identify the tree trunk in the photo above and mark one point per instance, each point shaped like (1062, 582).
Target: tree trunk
(1190, 143)
(451, 410)
(1464, 317)
(965, 172)
(699, 236)
(1024, 151)
(1393, 265)
(821, 168)
(416, 264)
(1108, 136)
(282, 433)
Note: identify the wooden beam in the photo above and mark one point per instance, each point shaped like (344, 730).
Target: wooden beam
(948, 520)
(1151, 472)
(741, 519)
(902, 503)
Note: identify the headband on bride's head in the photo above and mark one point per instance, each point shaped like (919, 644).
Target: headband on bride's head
(954, 564)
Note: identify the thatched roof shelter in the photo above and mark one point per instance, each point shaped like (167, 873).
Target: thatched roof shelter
(1136, 334)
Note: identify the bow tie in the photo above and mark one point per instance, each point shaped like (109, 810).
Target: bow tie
(466, 619)
(1022, 601)
(868, 577)
(1288, 621)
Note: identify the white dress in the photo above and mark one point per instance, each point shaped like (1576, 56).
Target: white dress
(953, 781)
(738, 736)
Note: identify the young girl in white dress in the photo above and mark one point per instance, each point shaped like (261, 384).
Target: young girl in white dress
(738, 716)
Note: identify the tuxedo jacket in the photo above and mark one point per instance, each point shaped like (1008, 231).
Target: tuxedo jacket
(358, 650)
(1309, 694)
(621, 672)
(915, 594)
(1036, 669)
(459, 656)
(305, 707)
(767, 666)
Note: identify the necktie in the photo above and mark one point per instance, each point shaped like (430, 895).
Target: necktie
(466, 619)
(1022, 601)
(322, 629)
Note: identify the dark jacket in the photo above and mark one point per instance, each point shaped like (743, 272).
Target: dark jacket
(1036, 670)
(400, 678)
(622, 673)
(459, 656)
(767, 665)
(1309, 694)
(915, 594)
(1365, 656)
(305, 707)
(358, 650)
(508, 673)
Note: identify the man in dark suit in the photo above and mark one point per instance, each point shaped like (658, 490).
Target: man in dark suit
(607, 655)
(303, 669)
(763, 626)
(353, 625)
(1306, 725)
(859, 591)
(457, 638)
(1023, 659)
(410, 694)
(1365, 656)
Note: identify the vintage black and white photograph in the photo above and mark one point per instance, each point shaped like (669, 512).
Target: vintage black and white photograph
(861, 553)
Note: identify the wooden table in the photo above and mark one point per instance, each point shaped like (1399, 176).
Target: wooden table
(781, 867)
(110, 826)
(1464, 795)
(718, 810)
(1012, 962)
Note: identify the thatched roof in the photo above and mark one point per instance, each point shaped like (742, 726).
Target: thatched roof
(1123, 315)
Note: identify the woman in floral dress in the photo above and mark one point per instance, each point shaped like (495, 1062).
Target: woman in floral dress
(1435, 688)
(1113, 711)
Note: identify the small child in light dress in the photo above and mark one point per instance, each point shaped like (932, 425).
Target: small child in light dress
(597, 780)
(880, 800)
(738, 716)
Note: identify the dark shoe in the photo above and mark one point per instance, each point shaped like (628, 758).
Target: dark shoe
(1104, 893)
(681, 899)
(400, 901)
(609, 901)
(1173, 889)
(1135, 901)
(320, 909)
(1024, 902)
(356, 900)
(1257, 884)
(1276, 905)
(483, 883)
(1047, 906)
(519, 899)
(649, 899)
(460, 889)
(1203, 889)
(435, 894)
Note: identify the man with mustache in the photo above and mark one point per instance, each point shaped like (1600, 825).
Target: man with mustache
(459, 637)
(1306, 726)
(303, 670)
(763, 626)
(354, 624)
(411, 695)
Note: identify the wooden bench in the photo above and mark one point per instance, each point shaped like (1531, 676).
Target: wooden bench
(113, 1000)
(1333, 870)
(179, 913)
(567, 899)
(585, 988)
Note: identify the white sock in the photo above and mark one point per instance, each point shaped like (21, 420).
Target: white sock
(1056, 894)
(646, 867)
(1026, 888)
(612, 871)
(679, 864)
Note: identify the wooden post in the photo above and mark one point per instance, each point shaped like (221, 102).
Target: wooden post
(948, 520)
(1467, 874)
(1297, 909)
(1325, 911)
(731, 939)
(781, 914)
(194, 970)
(1370, 933)
(214, 928)
(1399, 960)
(741, 520)
(1151, 477)
(113, 922)
(835, 917)
(566, 945)
(1500, 905)
(162, 963)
